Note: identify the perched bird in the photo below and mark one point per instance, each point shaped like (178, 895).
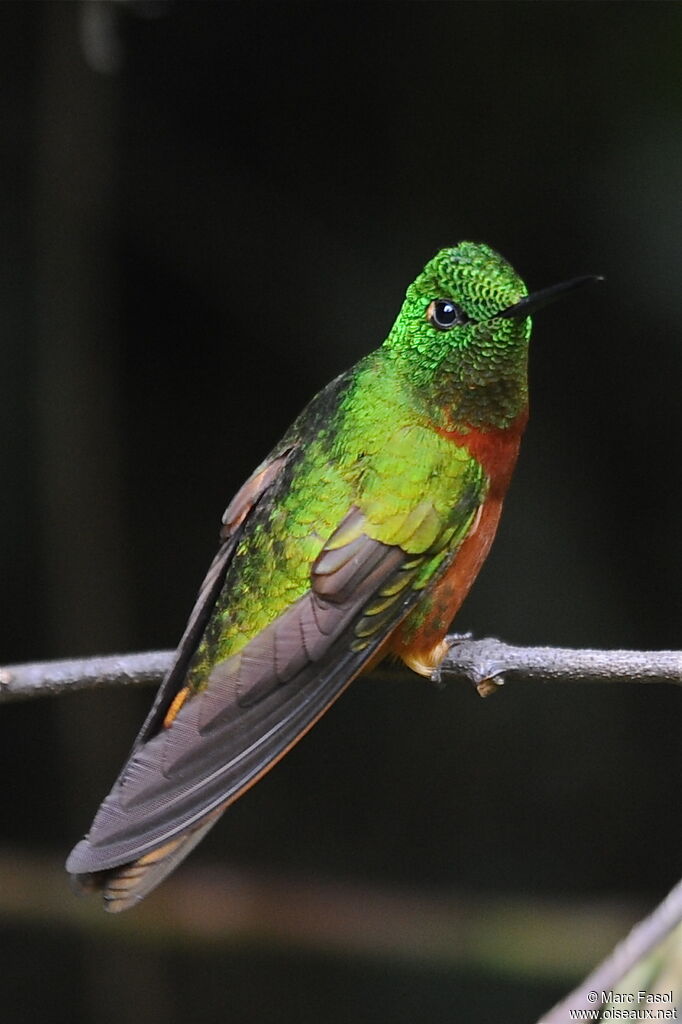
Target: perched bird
(358, 536)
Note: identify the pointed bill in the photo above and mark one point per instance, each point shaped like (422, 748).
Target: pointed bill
(537, 300)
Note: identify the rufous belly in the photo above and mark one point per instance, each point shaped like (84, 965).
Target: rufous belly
(419, 640)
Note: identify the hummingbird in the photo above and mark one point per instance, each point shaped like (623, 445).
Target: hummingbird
(358, 537)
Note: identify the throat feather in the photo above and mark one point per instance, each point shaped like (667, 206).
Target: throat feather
(496, 448)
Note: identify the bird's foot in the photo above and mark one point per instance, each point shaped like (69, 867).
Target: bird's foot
(487, 687)
(485, 673)
(443, 649)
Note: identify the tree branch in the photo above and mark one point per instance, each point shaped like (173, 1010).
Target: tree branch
(485, 663)
(49, 678)
(631, 952)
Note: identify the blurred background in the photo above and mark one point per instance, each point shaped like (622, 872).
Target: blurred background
(208, 210)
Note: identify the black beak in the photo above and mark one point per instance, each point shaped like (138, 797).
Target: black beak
(537, 300)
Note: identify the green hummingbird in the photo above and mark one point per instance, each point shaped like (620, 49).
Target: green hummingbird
(358, 536)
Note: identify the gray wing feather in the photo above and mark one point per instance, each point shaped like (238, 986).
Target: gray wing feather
(256, 705)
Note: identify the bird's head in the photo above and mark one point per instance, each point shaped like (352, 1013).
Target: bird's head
(464, 328)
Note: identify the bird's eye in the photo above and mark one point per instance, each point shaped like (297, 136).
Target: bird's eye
(444, 314)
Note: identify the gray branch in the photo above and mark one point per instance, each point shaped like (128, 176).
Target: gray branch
(485, 663)
(49, 678)
(488, 663)
(611, 975)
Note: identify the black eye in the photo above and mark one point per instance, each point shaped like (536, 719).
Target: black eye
(444, 314)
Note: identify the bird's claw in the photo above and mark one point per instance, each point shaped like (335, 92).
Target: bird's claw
(490, 685)
(487, 681)
(448, 642)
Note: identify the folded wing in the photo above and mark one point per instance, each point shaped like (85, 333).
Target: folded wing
(195, 756)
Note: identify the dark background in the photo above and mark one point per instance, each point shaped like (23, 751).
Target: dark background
(208, 210)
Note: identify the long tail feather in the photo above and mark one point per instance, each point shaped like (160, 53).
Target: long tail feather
(125, 886)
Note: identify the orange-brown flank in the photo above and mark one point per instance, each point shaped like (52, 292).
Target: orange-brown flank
(423, 648)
